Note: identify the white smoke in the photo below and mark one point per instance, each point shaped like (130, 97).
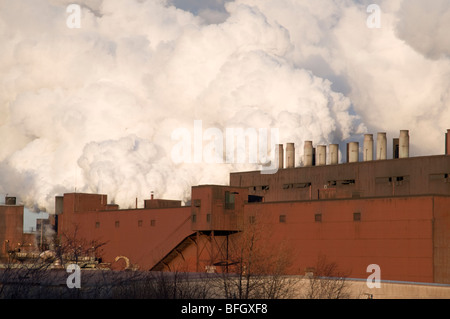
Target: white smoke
(93, 109)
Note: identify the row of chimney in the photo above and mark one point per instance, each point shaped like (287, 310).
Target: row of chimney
(318, 156)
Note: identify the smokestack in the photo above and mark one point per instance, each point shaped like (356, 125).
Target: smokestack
(10, 200)
(290, 155)
(321, 155)
(395, 148)
(334, 154)
(447, 143)
(308, 153)
(381, 146)
(280, 156)
(403, 144)
(352, 152)
(368, 148)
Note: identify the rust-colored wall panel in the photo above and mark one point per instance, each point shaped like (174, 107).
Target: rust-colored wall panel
(441, 239)
(11, 228)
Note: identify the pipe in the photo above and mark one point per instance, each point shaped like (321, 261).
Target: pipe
(280, 156)
(308, 153)
(447, 142)
(334, 153)
(381, 146)
(403, 144)
(353, 152)
(368, 148)
(321, 155)
(290, 155)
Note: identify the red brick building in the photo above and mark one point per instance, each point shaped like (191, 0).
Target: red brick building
(391, 212)
(12, 237)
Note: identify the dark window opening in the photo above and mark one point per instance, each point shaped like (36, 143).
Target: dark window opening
(197, 202)
(255, 199)
(117, 224)
(194, 218)
(229, 200)
(356, 217)
(318, 217)
(152, 222)
(97, 224)
(282, 218)
(208, 218)
(342, 182)
(296, 185)
(140, 223)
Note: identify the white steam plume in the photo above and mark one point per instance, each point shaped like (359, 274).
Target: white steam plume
(94, 108)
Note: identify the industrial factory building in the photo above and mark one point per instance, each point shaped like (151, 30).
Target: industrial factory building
(394, 213)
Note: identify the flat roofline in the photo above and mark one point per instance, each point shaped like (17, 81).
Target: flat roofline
(349, 198)
(217, 185)
(353, 163)
(138, 209)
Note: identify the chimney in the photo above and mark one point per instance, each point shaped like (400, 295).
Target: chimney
(290, 155)
(447, 143)
(334, 154)
(308, 153)
(10, 200)
(381, 146)
(403, 144)
(352, 152)
(321, 155)
(280, 156)
(368, 148)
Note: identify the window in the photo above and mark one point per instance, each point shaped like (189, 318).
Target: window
(153, 223)
(439, 177)
(318, 217)
(251, 219)
(140, 223)
(208, 218)
(356, 217)
(194, 218)
(197, 202)
(117, 224)
(97, 224)
(229, 200)
(282, 218)
(296, 185)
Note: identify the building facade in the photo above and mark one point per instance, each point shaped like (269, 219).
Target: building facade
(394, 213)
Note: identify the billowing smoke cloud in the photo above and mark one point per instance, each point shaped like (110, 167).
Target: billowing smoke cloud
(93, 109)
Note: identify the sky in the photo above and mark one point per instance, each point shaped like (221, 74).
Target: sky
(102, 102)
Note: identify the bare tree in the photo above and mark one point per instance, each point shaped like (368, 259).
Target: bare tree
(326, 281)
(71, 248)
(255, 269)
